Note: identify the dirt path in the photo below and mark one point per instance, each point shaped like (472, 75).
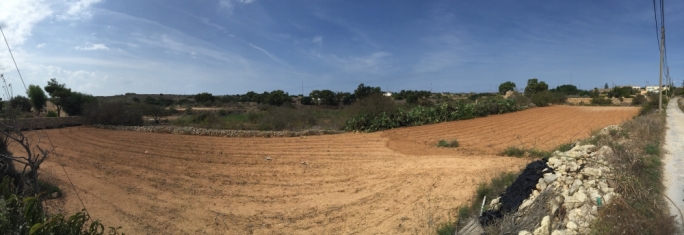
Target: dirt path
(393, 182)
(674, 159)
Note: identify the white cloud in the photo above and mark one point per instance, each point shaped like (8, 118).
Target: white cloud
(78, 10)
(229, 5)
(17, 18)
(94, 47)
(41, 45)
(317, 39)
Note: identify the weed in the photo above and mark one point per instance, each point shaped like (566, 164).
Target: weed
(513, 151)
(652, 148)
(565, 147)
(446, 228)
(448, 144)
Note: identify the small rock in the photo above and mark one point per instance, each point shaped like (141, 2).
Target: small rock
(549, 178)
(571, 225)
(558, 232)
(268, 158)
(55, 194)
(525, 232)
(146, 152)
(525, 203)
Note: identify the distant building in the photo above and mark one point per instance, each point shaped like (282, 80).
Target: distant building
(388, 94)
(652, 88)
(636, 87)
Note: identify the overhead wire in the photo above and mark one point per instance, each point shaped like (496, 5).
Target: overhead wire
(46, 134)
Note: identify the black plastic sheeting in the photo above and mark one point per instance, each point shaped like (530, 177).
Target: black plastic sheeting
(520, 190)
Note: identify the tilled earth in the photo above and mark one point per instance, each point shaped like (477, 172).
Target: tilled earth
(392, 182)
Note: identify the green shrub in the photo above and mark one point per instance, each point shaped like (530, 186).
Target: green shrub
(448, 144)
(565, 147)
(51, 114)
(601, 101)
(421, 115)
(639, 100)
(113, 113)
(25, 215)
(513, 151)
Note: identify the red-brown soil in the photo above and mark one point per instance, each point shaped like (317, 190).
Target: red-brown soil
(392, 182)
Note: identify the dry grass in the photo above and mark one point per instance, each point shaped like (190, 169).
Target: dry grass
(638, 179)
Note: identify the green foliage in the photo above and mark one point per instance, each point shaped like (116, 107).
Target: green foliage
(204, 97)
(601, 101)
(652, 148)
(506, 86)
(565, 147)
(51, 114)
(621, 92)
(21, 103)
(76, 103)
(513, 151)
(448, 144)
(493, 189)
(113, 113)
(325, 97)
(544, 98)
(534, 86)
(566, 89)
(421, 115)
(58, 94)
(412, 97)
(306, 100)
(37, 96)
(639, 100)
(363, 91)
(277, 98)
(153, 111)
(24, 215)
(447, 228)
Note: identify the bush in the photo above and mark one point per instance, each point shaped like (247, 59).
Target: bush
(448, 144)
(25, 215)
(639, 100)
(51, 114)
(601, 101)
(21, 103)
(113, 113)
(421, 115)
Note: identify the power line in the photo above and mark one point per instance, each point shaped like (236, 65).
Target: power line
(15, 62)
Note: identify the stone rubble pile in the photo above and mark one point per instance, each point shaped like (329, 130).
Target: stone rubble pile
(580, 185)
(214, 132)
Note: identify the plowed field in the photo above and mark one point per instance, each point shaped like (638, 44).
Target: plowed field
(392, 182)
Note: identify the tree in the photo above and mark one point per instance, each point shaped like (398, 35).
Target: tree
(37, 97)
(605, 86)
(20, 103)
(58, 94)
(363, 91)
(534, 86)
(154, 111)
(204, 97)
(76, 103)
(278, 97)
(506, 86)
(567, 89)
(328, 97)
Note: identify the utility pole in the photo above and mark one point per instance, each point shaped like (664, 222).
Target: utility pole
(660, 81)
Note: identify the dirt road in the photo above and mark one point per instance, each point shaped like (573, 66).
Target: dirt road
(394, 182)
(674, 159)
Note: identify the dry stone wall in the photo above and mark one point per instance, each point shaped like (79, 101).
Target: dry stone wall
(581, 184)
(214, 132)
(46, 122)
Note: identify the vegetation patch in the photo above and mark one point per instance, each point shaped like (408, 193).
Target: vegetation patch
(448, 143)
(513, 151)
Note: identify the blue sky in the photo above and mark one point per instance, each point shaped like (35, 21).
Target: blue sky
(108, 47)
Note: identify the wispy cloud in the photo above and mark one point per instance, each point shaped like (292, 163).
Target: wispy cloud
(229, 5)
(41, 45)
(78, 10)
(276, 59)
(94, 47)
(317, 39)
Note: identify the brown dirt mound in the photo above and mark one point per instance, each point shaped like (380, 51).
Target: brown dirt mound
(152, 183)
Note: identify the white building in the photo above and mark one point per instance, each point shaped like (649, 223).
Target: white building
(652, 88)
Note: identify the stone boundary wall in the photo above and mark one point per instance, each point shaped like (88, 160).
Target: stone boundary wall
(46, 122)
(214, 132)
(587, 101)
